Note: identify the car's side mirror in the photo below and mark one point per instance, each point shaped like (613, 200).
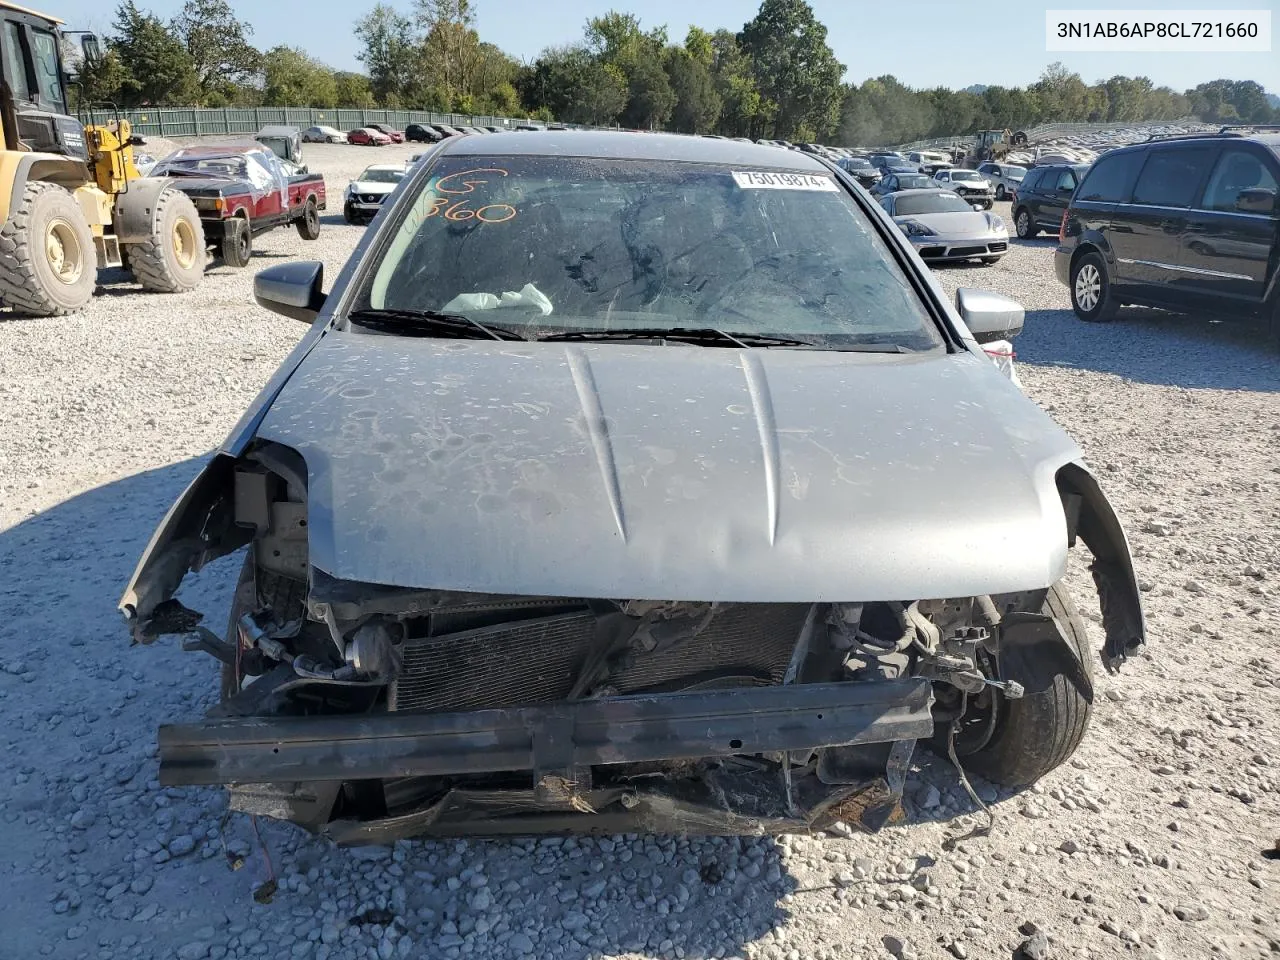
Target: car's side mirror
(291, 289)
(976, 206)
(1257, 200)
(989, 316)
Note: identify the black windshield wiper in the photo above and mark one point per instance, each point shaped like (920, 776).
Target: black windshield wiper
(430, 323)
(708, 336)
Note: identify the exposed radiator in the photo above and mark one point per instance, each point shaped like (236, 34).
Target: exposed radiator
(527, 662)
(536, 660)
(744, 642)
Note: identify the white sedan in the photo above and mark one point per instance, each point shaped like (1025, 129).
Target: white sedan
(322, 134)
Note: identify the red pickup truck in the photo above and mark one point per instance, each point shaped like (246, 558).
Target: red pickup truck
(241, 192)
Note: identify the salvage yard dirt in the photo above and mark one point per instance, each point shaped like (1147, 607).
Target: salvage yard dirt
(1157, 840)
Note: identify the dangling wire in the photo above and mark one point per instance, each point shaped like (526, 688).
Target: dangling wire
(951, 842)
(267, 889)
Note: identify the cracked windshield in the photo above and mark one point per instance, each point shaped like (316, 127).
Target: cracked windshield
(544, 246)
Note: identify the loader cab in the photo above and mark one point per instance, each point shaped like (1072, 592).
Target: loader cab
(33, 101)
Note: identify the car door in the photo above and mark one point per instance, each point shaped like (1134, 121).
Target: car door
(270, 188)
(1231, 232)
(1145, 232)
(1052, 196)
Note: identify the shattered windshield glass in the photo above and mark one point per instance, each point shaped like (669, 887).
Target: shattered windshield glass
(547, 245)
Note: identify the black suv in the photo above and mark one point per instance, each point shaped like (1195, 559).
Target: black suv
(1187, 223)
(1042, 198)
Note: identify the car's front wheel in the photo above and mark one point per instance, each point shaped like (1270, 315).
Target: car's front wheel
(1091, 296)
(1015, 742)
(999, 191)
(1025, 224)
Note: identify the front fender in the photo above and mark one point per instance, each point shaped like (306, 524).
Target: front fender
(198, 528)
(1091, 518)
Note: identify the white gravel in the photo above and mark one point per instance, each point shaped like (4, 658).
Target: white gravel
(1148, 844)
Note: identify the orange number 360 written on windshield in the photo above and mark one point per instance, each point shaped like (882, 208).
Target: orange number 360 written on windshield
(443, 199)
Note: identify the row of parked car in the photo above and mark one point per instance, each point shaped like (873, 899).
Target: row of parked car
(382, 134)
(1184, 223)
(890, 172)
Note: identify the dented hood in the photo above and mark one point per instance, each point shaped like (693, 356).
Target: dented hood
(672, 472)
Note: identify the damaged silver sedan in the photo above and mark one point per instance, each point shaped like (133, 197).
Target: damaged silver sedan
(630, 483)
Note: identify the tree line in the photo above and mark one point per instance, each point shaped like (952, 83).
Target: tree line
(776, 78)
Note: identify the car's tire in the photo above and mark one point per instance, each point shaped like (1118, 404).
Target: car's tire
(1090, 289)
(48, 265)
(1040, 730)
(309, 223)
(1024, 224)
(237, 245)
(172, 259)
(999, 191)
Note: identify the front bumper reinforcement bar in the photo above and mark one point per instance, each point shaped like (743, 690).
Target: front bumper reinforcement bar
(563, 735)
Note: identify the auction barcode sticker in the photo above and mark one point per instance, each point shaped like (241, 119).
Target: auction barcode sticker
(764, 180)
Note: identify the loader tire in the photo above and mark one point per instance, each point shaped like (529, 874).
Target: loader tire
(172, 259)
(48, 267)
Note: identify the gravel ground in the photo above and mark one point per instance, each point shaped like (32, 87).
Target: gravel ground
(1150, 843)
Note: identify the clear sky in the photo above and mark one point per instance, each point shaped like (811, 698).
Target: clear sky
(923, 43)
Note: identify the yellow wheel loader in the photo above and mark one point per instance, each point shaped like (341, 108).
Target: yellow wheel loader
(71, 199)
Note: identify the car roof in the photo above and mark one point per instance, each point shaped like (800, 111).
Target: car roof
(933, 191)
(385, 166)
(223, 150)
(621, 145)
(1269, 140)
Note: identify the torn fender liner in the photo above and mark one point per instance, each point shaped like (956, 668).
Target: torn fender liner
(716, 723)
(1112, 568)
